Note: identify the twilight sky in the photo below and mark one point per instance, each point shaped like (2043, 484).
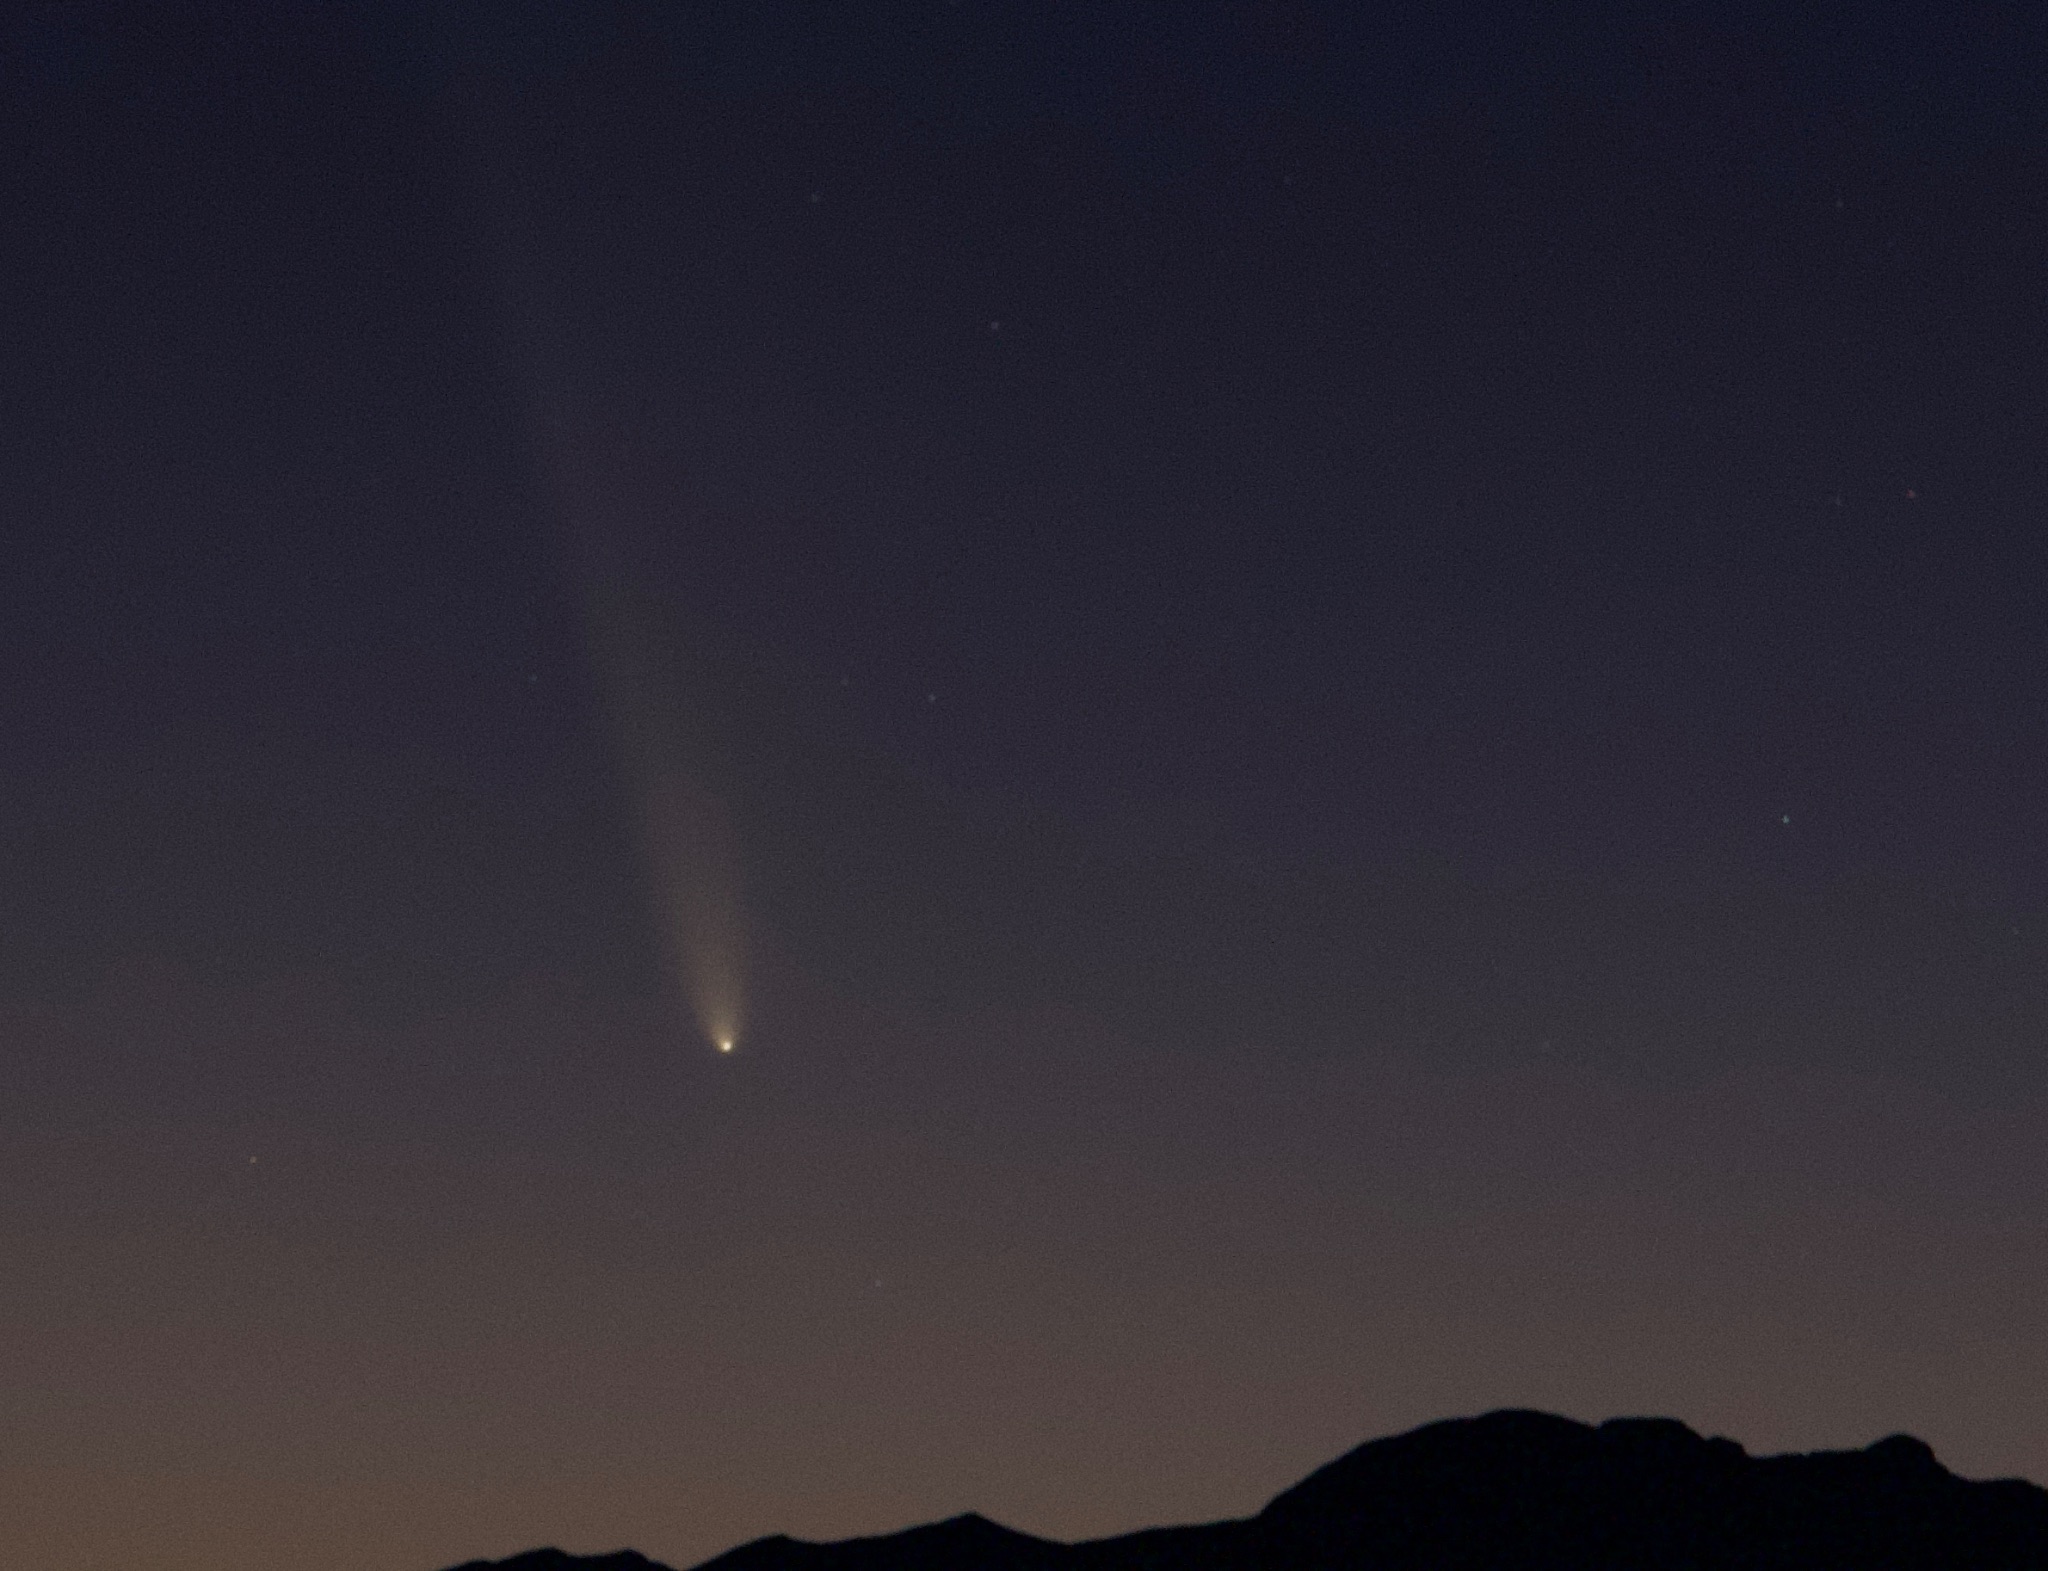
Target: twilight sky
(1346, 701)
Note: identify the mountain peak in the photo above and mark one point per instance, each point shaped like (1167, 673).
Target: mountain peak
(1904, 1451)
(558, 1560)
(967, 1540)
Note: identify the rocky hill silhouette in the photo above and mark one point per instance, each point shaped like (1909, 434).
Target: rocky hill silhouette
(1509, 1491)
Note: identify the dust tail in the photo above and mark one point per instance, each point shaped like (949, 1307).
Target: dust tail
(689, 858)
(653, 710)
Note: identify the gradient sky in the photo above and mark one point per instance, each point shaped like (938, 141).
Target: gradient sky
(1363, 688)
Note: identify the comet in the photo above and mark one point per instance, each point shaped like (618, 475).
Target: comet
(650, 698)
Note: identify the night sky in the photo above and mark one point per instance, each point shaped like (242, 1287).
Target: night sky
(1344, 705)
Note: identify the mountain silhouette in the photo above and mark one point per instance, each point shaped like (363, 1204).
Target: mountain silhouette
(1509, 1491)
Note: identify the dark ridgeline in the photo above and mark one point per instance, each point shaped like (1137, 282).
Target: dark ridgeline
(1511, 1491)
(555, 1560)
